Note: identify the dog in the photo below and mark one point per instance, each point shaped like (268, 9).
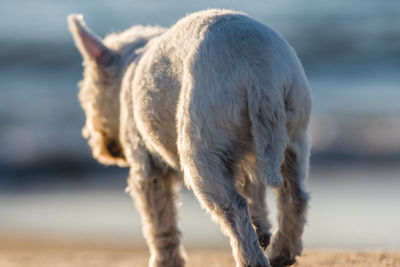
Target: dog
(218, 102)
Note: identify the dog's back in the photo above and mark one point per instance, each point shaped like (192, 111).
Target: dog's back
(228, 67)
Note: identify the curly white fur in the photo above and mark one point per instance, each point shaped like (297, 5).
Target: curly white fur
(219, 101)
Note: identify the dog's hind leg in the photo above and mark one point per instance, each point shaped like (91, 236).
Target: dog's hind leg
(292, 200)
(216, 192)
(208, 172)
(253, 189)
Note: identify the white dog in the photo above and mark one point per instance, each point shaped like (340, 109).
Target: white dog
(219, 101)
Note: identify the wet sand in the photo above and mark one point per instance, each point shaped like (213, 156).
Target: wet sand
(364, 215)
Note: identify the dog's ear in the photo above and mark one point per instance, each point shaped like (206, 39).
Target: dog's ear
(88, 43)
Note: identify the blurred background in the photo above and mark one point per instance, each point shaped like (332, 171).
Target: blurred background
(53, 192)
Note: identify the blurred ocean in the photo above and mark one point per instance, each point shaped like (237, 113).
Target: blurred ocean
(349, 49)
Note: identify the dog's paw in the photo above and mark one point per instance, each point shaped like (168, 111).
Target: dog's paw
(264, 240)
(282, 260)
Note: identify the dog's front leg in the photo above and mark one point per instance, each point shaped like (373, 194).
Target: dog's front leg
(155, 199)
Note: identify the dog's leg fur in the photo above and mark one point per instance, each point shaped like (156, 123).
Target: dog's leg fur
(218, 195)
(208, 173)
(255, 194)
(254, 190)
(155, 199)
(292, 202)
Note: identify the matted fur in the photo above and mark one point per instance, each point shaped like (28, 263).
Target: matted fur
(219, 101)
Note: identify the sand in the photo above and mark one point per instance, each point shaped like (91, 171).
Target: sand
(60, 257)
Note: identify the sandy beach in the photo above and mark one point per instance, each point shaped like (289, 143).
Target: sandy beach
(102, 228)
(25, 252)
(196, 258)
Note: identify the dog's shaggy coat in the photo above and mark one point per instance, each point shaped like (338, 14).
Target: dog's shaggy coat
(219, 101)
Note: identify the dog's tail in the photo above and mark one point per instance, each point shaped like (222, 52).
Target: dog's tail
(266, 108)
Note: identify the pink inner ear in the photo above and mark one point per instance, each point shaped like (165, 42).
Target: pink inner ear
(96, 49)
(92, 45)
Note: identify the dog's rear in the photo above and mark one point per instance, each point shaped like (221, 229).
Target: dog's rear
(244, 78)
